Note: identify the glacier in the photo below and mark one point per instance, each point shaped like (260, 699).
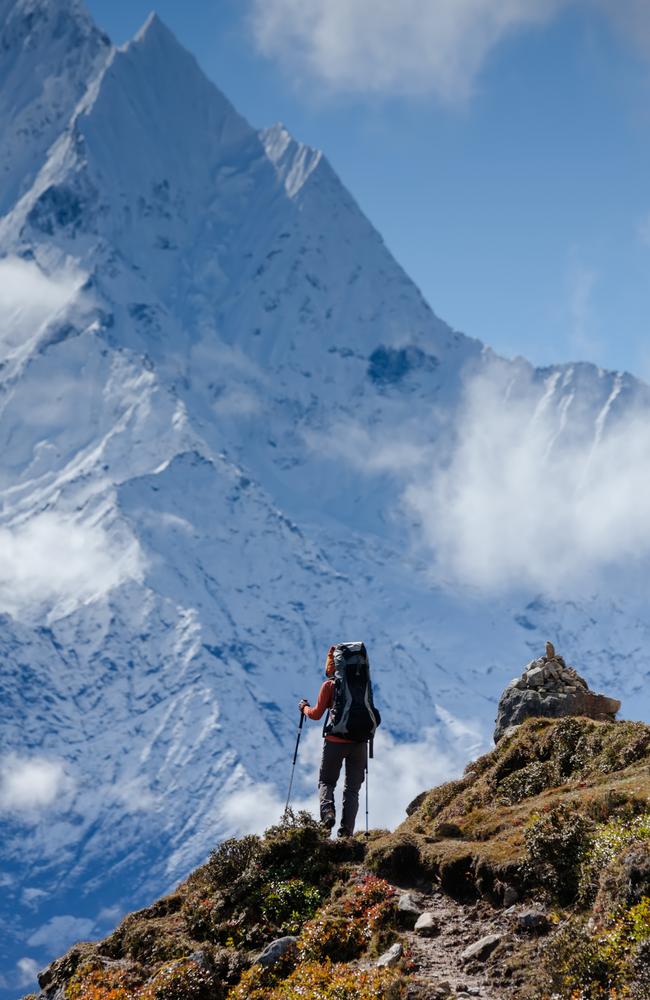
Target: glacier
(216, 386)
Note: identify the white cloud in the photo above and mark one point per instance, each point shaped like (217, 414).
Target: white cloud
(28, 299)
(28, 969)
(414, 46)
(30, 897)
(51, 564)
(254, 808)
(397, 773)
(60, 932)
(28, 785)
(520, 501)
(410, 47)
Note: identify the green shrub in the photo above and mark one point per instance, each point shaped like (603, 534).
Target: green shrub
(556, 843)
(577, 967)
(232, 859)
(287, 904)
(295, 848)
(281, 878)
(348, 926)
(603, 866)
(183, 980)
(332, 936)
(529, 781)
(599, 964)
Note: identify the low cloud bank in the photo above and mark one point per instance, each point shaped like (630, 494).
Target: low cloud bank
(28, 299)
(51, 564)
(529, 484)
(532, 494)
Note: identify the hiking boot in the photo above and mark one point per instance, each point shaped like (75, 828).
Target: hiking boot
(342, 832)
(328, 819)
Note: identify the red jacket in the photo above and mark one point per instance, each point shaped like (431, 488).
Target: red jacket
(325, 701)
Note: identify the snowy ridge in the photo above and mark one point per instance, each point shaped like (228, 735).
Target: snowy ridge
(50, 52)
(208, 434)
(293, 161)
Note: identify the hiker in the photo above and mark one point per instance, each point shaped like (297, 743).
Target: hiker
(352, 719)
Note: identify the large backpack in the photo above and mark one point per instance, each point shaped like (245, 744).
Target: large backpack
(353, 715)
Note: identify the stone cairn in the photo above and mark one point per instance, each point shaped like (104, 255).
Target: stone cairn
(550, 689)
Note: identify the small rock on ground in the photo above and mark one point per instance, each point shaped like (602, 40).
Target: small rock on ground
(481, 949)
(408, 909)
(426, 925)
(533, 920)
(390, 957)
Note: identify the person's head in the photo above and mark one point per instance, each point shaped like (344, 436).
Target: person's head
(330, 668)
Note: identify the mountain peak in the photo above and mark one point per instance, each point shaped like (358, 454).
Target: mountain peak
(51, 51)
(154, 27)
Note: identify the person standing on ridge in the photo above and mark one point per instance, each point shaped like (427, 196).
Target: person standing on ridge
(352, 719)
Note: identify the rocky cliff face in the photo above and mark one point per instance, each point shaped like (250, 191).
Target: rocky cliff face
(528, 878)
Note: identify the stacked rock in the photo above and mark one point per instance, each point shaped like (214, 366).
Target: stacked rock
(551, 689)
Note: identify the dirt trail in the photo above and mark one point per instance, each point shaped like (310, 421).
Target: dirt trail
(437, 959)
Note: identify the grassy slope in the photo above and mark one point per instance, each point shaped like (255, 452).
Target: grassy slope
(557, 813)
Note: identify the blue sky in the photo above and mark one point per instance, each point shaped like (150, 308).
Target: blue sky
(501, 147)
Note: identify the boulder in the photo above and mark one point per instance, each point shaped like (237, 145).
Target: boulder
(408, 910)
(535, 921)
(535, 677)
(549, 689)
(416, 803)
(390, 957)
(276, 950)
(481, 949)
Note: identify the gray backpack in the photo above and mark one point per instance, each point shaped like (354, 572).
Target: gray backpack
(353, 714)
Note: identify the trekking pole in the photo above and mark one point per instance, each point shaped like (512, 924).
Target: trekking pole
(293, 766)
(367, 833)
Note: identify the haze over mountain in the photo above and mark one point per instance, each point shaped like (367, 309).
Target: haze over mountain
(232, 432)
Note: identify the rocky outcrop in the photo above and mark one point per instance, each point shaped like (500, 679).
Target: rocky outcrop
(551, 689)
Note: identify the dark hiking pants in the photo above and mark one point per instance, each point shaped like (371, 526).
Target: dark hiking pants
(354, 755)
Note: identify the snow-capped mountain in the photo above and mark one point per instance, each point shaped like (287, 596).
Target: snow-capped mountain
(217, 387)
